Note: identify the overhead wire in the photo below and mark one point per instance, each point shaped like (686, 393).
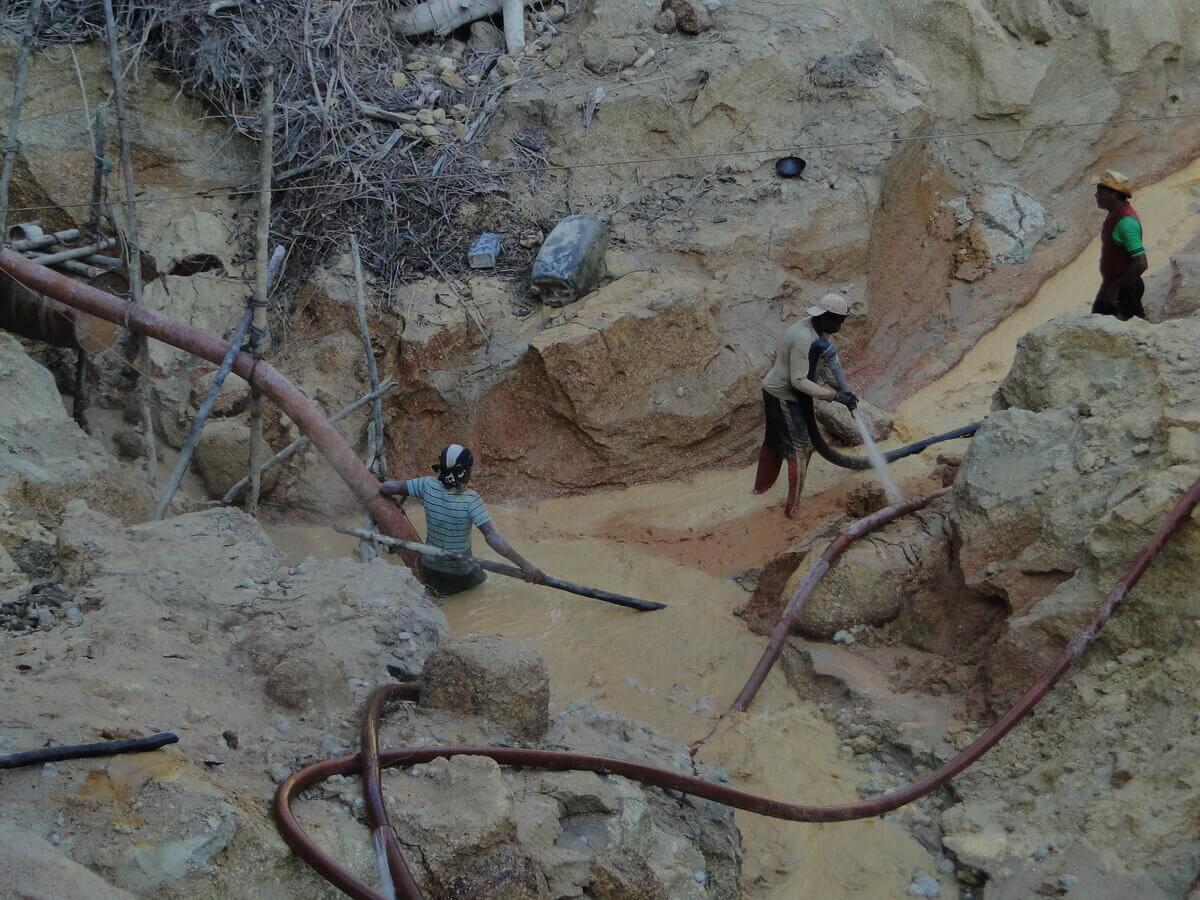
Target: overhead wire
(235, 189)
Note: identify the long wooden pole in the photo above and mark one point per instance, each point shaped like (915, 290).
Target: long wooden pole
(99, 172)
(210, 397)
(266, 157)
(431, 552)
(14, 111)
(360, 299)
(133, 251)
(376, 461)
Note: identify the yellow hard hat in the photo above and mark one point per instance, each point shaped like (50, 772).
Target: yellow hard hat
(1115, 181)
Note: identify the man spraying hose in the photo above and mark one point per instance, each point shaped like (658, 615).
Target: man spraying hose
(800, 367)
(451, 508)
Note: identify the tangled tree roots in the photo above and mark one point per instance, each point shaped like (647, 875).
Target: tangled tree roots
(344, 159)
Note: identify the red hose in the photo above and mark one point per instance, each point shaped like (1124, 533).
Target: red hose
(306, 414)
(377, 817)
(666, 778)
(806, 588)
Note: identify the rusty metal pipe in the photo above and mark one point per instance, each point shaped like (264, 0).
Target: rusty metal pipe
(667, 778)
(805, 589)
(306, 414)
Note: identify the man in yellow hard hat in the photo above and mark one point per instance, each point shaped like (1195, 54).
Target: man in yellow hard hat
(1122, 256)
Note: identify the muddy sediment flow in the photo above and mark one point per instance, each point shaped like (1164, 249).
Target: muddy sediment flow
(684, 542)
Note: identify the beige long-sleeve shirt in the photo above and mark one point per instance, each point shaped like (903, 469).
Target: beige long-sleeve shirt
(788, 378)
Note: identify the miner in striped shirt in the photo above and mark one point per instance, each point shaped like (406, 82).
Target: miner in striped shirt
(451, 508)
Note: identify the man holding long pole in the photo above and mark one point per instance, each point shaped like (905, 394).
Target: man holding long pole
(451, 508)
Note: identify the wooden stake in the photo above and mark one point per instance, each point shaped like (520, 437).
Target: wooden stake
(266, 157)
(303, 441)
(14, 112)
(514, 26)
(79, 401)
(99, 173)
(376, 460)
(214, 388)
(133, 250)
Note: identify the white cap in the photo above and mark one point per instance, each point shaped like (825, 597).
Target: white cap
(830, 303)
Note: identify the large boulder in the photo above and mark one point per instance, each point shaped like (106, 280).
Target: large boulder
(1091, 412)
(840, 427)
(223, 456)
(1093, 438)
(1175, 292)
(633, 378)
(493, 677)
(232, 397)
(517, 834)
(875, 578)
(309, 678)
(45, 457)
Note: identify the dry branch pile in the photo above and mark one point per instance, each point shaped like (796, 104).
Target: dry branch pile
(372, 134)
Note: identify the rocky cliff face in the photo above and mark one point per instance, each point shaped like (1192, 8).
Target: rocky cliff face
(1100, 421)
(960, 232)
(1092, 439)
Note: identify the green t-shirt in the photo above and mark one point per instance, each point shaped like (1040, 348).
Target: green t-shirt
(1127, 234)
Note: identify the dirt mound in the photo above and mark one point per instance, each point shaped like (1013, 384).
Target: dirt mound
(196, 625)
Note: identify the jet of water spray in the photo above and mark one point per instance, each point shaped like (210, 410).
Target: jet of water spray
(878, 462)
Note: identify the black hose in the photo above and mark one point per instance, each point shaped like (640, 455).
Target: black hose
(860, 462)
(83, 751)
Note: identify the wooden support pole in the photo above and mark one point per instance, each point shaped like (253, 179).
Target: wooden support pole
(266, 158)
(99, 172)
(364, 328)
(214, 388)
(301, 442)
(79, 401)
(514, 26)
(133, 251)
(210, 399)
(14, 111)
(376, 460)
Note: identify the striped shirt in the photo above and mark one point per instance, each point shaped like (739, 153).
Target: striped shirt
(449, 516)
